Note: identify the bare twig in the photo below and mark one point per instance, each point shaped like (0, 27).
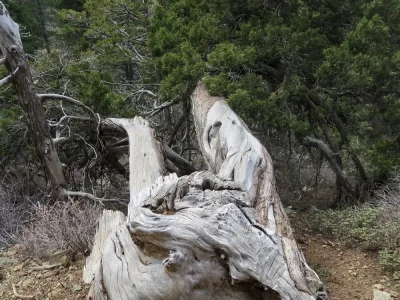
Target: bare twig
(93, 198)
(19, 295)
(46, 267)
(158, 109)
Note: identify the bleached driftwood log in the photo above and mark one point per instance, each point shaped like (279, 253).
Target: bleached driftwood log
(218, 234)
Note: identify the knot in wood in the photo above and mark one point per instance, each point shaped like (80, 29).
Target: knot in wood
(172, 262)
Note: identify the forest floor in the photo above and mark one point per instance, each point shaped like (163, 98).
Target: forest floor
(25, 278)
(347, 273)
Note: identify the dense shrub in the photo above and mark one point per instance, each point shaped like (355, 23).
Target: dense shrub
(374, 226)
(65, 225)
(360, 227)
(390, 259)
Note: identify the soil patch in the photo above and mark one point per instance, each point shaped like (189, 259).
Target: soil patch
(347, 273)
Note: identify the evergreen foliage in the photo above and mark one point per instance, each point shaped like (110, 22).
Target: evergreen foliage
(317, 64)
(322, 69)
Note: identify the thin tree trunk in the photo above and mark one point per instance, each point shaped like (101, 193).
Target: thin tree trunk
(324, 148)
(45, 33)
(15, 61)
(357, 162)
(219, 234)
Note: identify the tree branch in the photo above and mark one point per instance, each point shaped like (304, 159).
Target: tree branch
(158, 109)
(177, 126)
(6, 80)
(96, 117)
(60, 140)
(330, 155)
(2, 61)
(19, 296)
(45, 97)
(9, 78)
(182, 164)
(93, 198)
(346, 141)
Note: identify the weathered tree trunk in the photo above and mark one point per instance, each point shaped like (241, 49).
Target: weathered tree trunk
(219, 234)
(14, 59)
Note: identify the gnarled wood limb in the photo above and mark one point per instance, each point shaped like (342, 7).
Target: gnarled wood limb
(220, 234)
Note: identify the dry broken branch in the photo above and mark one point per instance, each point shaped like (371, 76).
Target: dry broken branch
(19, 295)
(94, 198)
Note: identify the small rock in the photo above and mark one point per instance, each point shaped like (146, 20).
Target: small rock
(378, 287)
(313, 209)
(394, 294)
(289, 210)
(27, 282)
(21, 273)
(76, 288)
(51, 273)
(379, 295)
(62, 257)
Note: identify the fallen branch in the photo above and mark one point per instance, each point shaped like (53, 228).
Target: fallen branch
(93, 198)
(19, 295)
(182, 164)
(46, 267)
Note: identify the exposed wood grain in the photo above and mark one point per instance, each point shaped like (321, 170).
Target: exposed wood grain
(218, 234)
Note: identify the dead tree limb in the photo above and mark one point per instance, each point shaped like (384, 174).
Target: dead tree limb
(220, 234)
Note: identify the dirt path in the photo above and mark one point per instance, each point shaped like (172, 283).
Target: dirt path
(347, 273)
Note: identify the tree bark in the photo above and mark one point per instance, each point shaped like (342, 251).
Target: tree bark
(15, 61)
(217, 234)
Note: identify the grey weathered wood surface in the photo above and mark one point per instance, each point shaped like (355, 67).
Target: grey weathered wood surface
(217, 234)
